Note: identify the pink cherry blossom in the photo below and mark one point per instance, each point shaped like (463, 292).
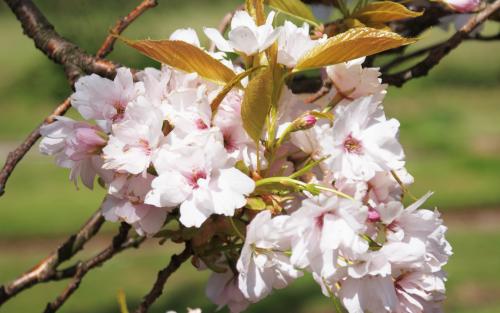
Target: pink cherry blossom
(263, 263)
(362, 142)
(134, 140)
(105, 100)
(464, 6)
(197, 174)
(352, 81)
(75, 145)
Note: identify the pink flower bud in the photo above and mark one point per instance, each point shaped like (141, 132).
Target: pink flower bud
(304, 122)
(463, 6)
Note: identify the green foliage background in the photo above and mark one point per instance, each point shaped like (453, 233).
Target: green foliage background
(450, 129)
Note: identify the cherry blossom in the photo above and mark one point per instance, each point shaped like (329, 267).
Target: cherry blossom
(197, 174)
(293, 43)
(263, 263)
(325, 229)
(320, 193)
(105, 100)
(463, 6)
(75, 145)
(352, 81)
(135, 139)
(245, 36)
(362, 142)
(222, 289)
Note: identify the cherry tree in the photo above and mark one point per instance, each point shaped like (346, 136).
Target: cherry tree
(263, 173)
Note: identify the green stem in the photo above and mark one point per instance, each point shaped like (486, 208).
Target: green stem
(307, 168)
(236, 230)
(280, 180)
(338, 193)
(338, 97)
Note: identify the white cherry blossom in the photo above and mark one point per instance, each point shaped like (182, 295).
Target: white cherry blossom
(197, 174)
(293, 43)
(222, 289)
(105, 100)
(263, 263)
(134, 140)
(75, 145)
(326, 228)
(353, 81)
(245, 36)
(362, 142)
(126, 202)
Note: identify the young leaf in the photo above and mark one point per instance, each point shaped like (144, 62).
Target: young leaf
(294, 8)
(185, 57)
(383, 11)
(257, 102)
(352, 44)
(256, 204)
(235, 81)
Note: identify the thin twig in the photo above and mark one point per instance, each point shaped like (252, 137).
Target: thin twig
(14, 157)
(399, 60)
(119, 244)
(175, 262)
(122, 24)
(47, 268)
(438, 53)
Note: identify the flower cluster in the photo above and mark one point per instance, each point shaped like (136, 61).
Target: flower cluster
(319, 190)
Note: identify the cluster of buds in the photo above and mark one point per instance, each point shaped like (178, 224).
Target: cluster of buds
(220, 153)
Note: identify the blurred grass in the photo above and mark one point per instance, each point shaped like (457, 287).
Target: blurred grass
(450, 128)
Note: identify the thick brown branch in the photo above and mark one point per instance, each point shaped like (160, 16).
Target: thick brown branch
(57, 48)
(176, 261)
(47, 268)
(438, 53)
(122, 24)
(119, 244)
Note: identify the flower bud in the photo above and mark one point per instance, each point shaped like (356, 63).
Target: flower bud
(463, 6)
(304, 122)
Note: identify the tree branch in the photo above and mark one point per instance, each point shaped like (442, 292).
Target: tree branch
(57, 48)
(14, 157)
(46, 270)
(79, 271)
(438, 53)
(18, 154)
(175, 262)
(122, 24)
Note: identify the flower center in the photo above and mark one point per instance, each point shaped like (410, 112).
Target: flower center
(144, 144)
(352, 145)
(120, 111)
(200, 124)
(229, 143)
(194, 177)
